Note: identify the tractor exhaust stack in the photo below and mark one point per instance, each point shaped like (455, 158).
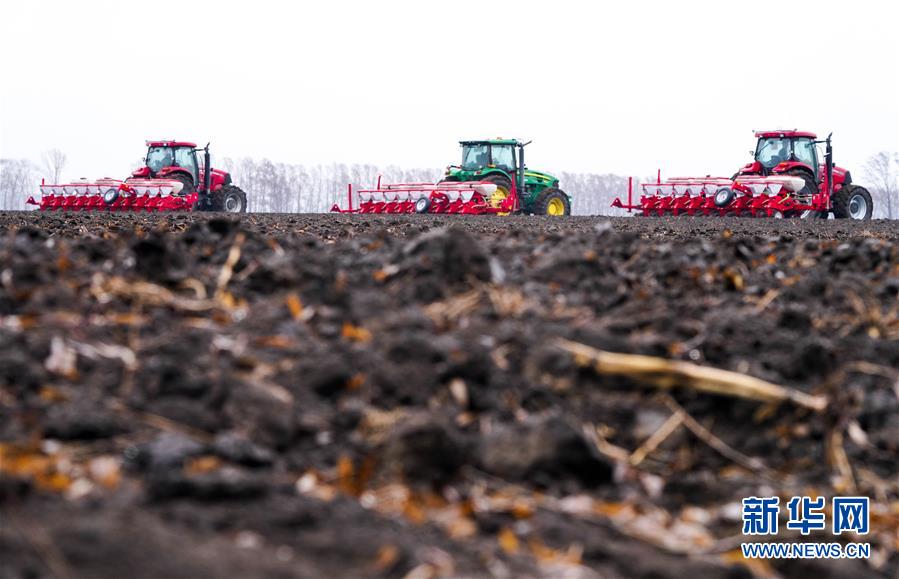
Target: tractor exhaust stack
(828, 164)
(207, 177)
(520, 186)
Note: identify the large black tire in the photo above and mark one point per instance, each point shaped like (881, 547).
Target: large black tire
(230, 199)
(185, 180)
(550, 201)
(500, 181)
(852, 202)
(810, 189)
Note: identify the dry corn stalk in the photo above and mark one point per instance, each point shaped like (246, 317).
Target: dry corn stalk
(666, 374)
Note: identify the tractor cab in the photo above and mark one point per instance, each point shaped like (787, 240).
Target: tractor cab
(480, 155)
(172, 159)
(776, 152)
(161, 157)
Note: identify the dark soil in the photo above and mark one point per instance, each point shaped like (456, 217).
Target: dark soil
(333, 396)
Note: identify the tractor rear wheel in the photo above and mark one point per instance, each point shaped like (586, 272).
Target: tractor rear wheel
(852, 202)
(810, 189)
(229, 199)
(503, 190)
(552, 202)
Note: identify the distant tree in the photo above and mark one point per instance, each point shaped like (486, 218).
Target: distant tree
(18, 181)
(52, 163)
(882, 172)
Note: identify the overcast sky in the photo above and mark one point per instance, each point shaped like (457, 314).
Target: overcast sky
(619, 87)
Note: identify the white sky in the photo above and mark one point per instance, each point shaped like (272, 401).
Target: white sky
(620, 87)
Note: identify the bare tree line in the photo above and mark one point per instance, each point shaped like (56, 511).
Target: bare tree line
(52, 163)
(293, 188)
(298, 188)
(19, 179)
(290, 188)
(882, 180)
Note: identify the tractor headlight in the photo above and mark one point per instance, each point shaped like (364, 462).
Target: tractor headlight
(847, 178)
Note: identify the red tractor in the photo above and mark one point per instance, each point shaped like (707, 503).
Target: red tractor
(177, 161)
(793, 152)
(785, 179)
(171, 179)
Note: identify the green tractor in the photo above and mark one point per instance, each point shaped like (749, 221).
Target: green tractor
(495, 161)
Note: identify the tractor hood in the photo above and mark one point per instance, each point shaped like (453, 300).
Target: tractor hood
(539, 177)
(218, 178)
(839, 173)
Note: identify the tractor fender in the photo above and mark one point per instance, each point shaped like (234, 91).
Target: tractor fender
(168, 171)
(797, 169)
(786, 166)
(499, 172)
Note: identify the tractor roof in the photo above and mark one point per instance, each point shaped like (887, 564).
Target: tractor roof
(171, 144)
(785, 133)
(496, 141)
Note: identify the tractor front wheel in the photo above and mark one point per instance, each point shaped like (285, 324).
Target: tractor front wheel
(853, 202)
(229, 199)
(552, 202)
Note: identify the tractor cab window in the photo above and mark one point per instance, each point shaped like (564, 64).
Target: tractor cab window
(804, 152)
(159, 157)
(475, 157)
(186, 157)
(772, 150)
(504, 157)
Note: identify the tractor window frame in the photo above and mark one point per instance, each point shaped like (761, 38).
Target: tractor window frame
(191, 155)
(763, 144)
(483, 148)
(150, 151)
(511, 151)
(809, 145)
